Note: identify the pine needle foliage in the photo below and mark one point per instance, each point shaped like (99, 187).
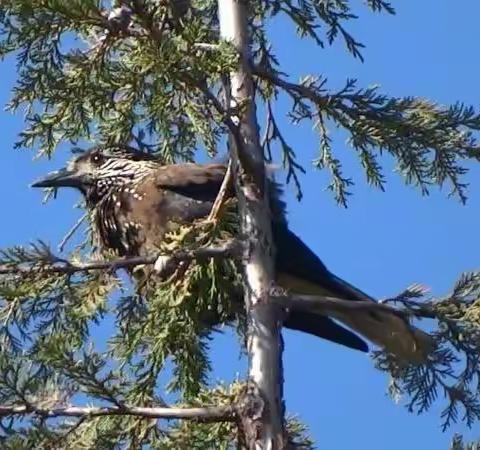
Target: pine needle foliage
(156, 81)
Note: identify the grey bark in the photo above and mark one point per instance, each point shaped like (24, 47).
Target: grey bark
(263, 418)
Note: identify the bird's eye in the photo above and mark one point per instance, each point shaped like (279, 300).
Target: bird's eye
(97, 158)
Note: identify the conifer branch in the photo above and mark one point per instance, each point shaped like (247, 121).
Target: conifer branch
(201, 414)
(216, 210)
(263, 424)
(326, 304)
(411, 129)
(53, 264)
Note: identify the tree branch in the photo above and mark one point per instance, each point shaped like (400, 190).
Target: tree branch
(263, 422)
(294, 90)
(60, 265)
(326, 304)
(201, 414)
(217, 207)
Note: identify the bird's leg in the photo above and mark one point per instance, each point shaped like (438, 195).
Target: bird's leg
(217, 208)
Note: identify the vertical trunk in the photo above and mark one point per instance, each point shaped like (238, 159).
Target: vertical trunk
(263, 419)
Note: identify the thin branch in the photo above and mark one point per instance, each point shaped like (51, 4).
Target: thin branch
(202, 414)
(59, 265)
(206, 46)
(413, 307)
(272, 133)
(324, 304)
(293, 89)
(217, 207)
(71, 232)
(225, 113)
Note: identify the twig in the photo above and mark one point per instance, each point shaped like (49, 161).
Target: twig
(414, 308)
(230, 249)
(217, 207)
(267, 136)
(202, 414)
(71, 232)
(206, 46)
(324, 304)
(293, 89)
(11, 310)
(72, 429)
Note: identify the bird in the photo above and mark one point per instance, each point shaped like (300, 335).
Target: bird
(134, 200)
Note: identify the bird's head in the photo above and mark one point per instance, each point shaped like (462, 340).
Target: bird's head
(96, 171)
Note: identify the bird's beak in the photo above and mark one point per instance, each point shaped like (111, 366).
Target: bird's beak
(57, 179)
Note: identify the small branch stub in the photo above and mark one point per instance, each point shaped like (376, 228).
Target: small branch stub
(250, 409)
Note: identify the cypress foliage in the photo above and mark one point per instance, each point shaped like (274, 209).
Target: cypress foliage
(150, 75)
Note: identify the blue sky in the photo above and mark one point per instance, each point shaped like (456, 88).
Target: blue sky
(382, 243)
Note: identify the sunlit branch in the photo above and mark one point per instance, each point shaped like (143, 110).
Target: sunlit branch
(295, 90)
(63, 266)
(201, 414)
(217, 207)
(325, 304)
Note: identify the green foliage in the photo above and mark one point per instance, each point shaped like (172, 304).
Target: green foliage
(75, 85)
(311, 16)
(45, 304)
(430, 143)
(153, 84)
(48, 308)
(221, 435)
(453, 370)
(458, 444)
(79, 81)
(175, 318)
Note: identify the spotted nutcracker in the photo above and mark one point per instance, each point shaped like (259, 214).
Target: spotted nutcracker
(135, 199)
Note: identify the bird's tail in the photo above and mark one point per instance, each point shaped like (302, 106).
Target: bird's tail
(384, 328)
(390, 331)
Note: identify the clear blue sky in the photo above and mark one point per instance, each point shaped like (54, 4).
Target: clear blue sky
(382, 243)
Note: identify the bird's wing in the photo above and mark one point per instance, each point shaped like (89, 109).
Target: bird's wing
(296, 259)
(197, 181)
(201, 183)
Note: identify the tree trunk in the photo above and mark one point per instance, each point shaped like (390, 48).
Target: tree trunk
(263, 422)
